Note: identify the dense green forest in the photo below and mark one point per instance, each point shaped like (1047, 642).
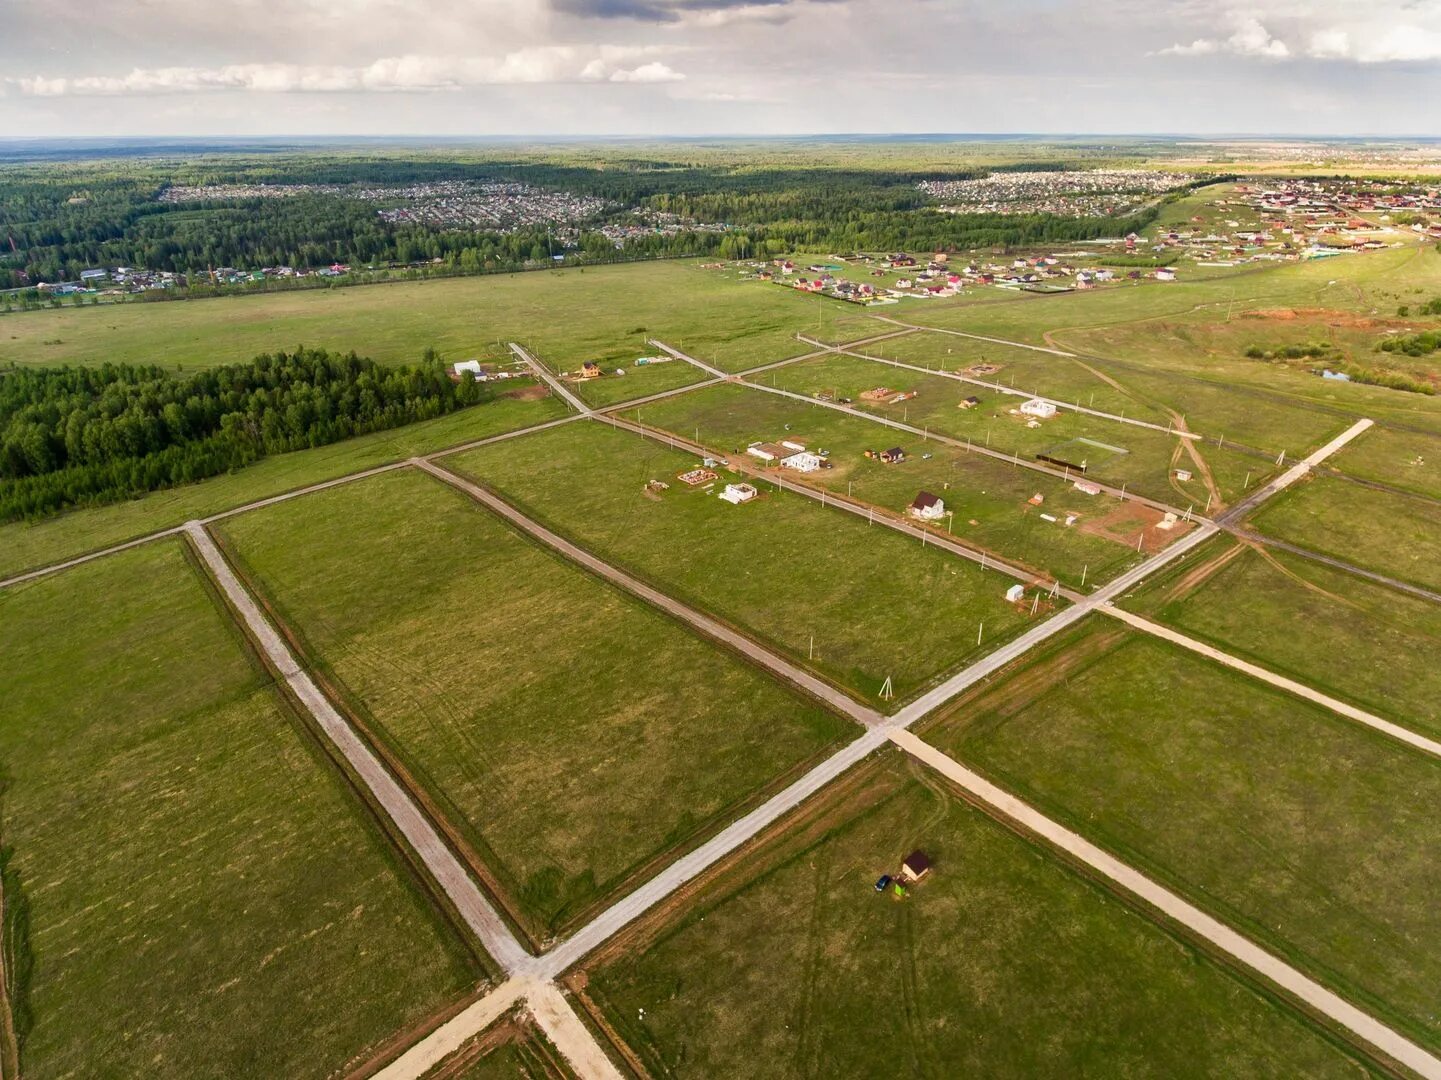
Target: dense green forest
(56, 220)
(72, 435)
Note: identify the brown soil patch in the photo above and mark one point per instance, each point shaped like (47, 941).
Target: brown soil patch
(1130, 523)
(528, 393)
(1324, 316)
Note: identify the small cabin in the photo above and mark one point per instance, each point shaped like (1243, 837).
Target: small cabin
(915, 866)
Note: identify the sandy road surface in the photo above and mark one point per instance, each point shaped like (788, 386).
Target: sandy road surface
(420, 834)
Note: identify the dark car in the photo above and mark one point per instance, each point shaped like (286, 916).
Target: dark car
(885, 879)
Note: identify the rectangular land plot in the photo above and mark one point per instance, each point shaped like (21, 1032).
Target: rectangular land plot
(1392, 534)
(780, 567)
(612, 388)
(1060, 377)
(1310, 833)
(190, 888)
(1146, 466)
(25, 545)
(1000, 962)
(990, 499)
(1403, 459)
(1372, 646)
(572, 734)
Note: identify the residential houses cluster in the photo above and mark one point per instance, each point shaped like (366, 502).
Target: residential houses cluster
(907, 277)
(112, 281)
(647, 223)
(1089, 193)
(490, 206)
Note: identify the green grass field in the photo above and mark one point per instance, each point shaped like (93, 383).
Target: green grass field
(782, 568)
(24, 545)
(1403, 459)
(567, 316)
(1144, 466)
(989, 498)
(611, 389)
(1057, 377)
(1002, 962)
(1331, 630)
(189, 888)
(573, 734)
(1311, 834)
(1396, 535)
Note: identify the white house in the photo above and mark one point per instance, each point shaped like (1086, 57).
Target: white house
(735, 494)
(804, 462)
(1165, 274)
(1042, 410)
(1015, 594)
(927, 507)
(470, 367)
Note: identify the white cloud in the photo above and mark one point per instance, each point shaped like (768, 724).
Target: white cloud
(412, 73)
(1251, 38)
(654, 72)
(1377, 45)
(1329, 45)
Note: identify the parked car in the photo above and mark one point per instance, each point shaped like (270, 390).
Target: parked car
(885, 879)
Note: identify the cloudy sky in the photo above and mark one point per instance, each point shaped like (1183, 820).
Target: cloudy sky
(652, 67)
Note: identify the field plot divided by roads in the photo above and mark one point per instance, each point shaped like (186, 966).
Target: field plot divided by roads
(190, 890)
(989, 502)
(1365, 643)
(781, 567)
(1392, 534)
(1000, 962)
(1112, 452)
(1311, 833)
(572, 735)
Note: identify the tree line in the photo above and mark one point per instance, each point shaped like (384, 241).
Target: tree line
(73, 436)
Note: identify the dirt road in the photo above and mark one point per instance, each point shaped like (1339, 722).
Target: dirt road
(462, 891)
(1386, 727)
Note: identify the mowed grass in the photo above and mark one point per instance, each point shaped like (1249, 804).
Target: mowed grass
(25, 545)
(573, 734)
(854, 602)
(1364, 643)
(190, 889)
(989, 499)
(1313, 835)
(1002, 962)
(1396, 535)
(567, 315)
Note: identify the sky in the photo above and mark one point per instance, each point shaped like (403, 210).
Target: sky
(704, 67)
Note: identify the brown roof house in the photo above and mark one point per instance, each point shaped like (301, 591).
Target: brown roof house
(915, 866)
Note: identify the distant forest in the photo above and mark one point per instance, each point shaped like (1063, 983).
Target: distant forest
(73, 436)
(57, 219)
